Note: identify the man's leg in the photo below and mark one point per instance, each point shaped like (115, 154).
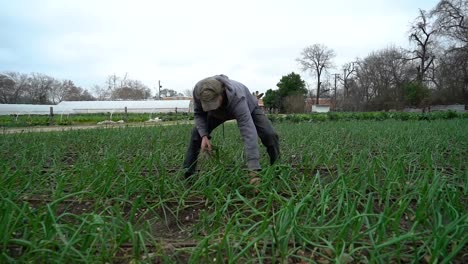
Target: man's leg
(191, 157)
(267, 134)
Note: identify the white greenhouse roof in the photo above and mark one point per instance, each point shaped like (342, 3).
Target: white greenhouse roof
(75, 107)
(24, 109)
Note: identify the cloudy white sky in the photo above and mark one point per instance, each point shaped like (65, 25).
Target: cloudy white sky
(180, 42)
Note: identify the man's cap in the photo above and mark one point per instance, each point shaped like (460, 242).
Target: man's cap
(209, 92)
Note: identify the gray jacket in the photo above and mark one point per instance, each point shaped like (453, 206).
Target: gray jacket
(240, 104)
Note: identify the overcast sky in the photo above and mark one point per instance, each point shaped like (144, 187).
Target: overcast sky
(181, 42)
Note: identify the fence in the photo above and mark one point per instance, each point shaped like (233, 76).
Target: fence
(47, 115)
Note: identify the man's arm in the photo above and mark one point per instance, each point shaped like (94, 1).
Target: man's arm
(249, 133)
(200, 117)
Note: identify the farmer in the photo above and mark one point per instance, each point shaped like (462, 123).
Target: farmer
(218, 99)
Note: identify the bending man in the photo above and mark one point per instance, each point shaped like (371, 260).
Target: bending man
(218, 99)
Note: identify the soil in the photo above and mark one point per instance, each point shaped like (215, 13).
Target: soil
(173, 223)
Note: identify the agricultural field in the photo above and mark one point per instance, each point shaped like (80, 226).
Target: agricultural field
(345, 191)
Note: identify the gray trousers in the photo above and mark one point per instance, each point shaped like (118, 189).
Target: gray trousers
(265, 132)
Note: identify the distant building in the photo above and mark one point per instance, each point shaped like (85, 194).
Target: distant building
(324, 105)
(81, 107)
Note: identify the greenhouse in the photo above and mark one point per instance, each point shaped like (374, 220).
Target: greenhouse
(81, 107)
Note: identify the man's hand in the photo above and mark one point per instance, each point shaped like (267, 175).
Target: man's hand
(206, 145)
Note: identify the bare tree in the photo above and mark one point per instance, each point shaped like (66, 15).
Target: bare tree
(421, 33)
(450, 77)
(86, 96)
(40, 87)
(326, 88)
(316, 58)
(348, 69)
(451, 20)
(100, 92)
(13, 86)
(58, 90)
(131, 90)
(380, 80)
(112, 83)
(451, 72)
(122, 88)
(75, 93)
(7, 84)
(72, 92)
(310, 91)
(188, 92)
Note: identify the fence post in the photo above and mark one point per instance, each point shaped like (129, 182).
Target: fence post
(51, 116)
(126, 115)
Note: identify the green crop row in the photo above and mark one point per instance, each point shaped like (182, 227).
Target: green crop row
(377, 116)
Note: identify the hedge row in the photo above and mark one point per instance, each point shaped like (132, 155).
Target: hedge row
(376, 116)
